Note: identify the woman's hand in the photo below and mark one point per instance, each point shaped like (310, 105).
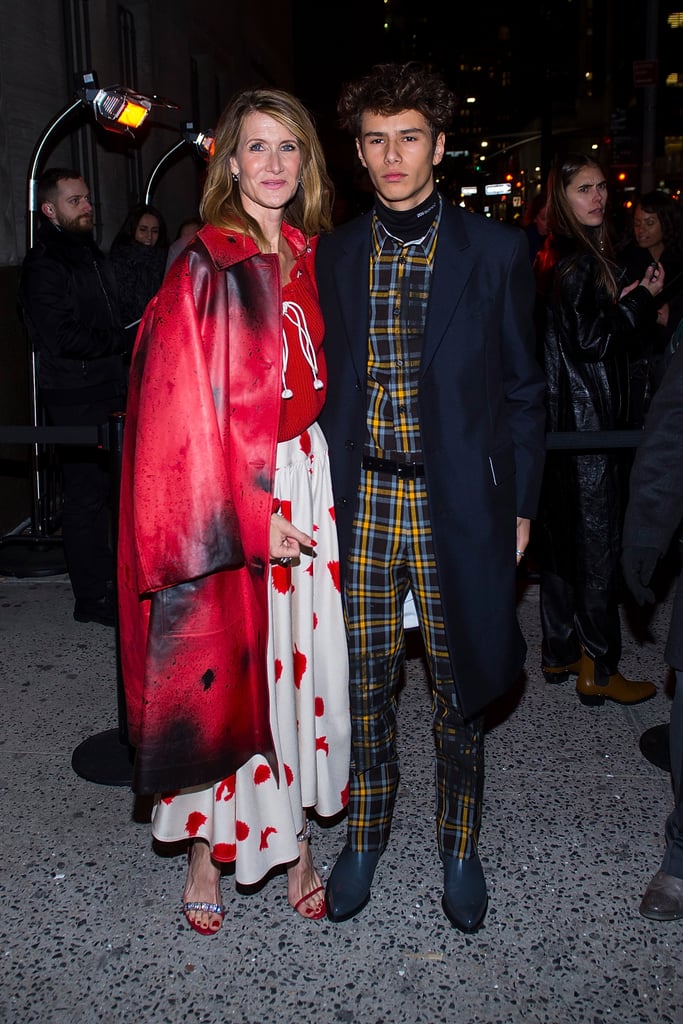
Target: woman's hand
(285, 540)
(628, 288)
(663, 314)
(653, 279)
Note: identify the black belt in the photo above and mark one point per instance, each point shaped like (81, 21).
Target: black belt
(411, 470)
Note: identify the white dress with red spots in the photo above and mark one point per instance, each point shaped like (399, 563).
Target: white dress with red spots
(249, 818)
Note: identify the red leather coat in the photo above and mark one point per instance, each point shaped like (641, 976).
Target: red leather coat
(196, 500)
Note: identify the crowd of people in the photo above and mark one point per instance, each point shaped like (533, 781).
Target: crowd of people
(306, 404)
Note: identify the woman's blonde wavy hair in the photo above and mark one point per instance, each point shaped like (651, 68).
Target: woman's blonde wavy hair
(221, 203)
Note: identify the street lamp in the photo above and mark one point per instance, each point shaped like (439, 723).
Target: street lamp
(117, 109)
(203, 143)
(120, 110)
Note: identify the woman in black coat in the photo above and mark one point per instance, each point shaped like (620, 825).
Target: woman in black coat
(656, 233)
(138, 255)
(588, 324)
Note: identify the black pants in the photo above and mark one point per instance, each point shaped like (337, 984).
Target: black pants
(86, 493)
(673, 858)
(573, 617)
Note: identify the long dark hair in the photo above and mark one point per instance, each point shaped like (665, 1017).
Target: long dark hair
(563, 224)
(670, 217)
(126, 233)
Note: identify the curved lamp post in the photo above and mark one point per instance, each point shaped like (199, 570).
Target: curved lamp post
(120, 110)
(203, 143)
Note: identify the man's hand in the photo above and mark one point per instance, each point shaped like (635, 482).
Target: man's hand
(638, 565)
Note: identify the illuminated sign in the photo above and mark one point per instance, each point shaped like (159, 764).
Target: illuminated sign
(468, 190)
(502, 189)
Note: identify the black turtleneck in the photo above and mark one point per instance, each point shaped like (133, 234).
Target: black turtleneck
(408, 225)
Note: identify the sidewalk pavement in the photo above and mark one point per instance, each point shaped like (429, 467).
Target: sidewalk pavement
(573, 829)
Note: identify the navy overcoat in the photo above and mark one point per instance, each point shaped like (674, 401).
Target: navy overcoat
(482, 420)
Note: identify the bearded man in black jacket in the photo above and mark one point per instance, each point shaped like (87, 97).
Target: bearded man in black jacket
(69, 303)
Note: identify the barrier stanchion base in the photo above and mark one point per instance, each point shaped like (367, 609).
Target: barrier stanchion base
(103, 758)
(25, 555)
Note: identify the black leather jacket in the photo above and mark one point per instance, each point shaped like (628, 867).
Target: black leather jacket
(69, 303)
(588, 341)
(586, 344)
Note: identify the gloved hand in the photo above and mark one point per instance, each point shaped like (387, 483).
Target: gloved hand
(638, 566)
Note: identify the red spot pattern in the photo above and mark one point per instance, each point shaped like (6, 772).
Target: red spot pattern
(241, 830)
(322, 744)
(265, 835)
(194, 823)
(333, 514)
(281, 575)
(278, 669)
(333, 569)
(289, 775)
(319, 707)
(305, 443)
(224, 852)
(345, 795)
(315, 621)
(309, 568)
(167, 798)
(299, 662)
(261, 774)
(225, 790)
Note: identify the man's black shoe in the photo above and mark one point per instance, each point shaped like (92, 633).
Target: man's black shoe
(663, 899)
(464, 899)
(348, 887)
(101, 609)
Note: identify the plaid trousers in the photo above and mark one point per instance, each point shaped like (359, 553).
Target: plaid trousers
(392, 550)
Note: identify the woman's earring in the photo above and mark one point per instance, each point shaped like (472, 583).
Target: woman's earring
(235, 177)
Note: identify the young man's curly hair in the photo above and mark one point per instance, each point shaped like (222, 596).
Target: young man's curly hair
(391, 88)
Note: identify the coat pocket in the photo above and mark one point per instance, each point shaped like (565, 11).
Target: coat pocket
(502, 464)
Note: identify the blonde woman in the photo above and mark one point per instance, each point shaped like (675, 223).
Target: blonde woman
(233, 648)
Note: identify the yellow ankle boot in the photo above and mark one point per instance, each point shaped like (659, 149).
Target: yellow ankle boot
(617, 688)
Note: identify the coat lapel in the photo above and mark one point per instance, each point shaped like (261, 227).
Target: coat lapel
(453, 266)
(352, 276)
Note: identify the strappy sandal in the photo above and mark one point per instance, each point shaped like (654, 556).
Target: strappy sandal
(321, 909)
(199, 905)
(209, 908)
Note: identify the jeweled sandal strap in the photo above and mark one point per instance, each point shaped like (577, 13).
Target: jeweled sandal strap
(210, 908)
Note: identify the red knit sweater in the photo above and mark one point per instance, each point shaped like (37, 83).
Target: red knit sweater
(303, 407)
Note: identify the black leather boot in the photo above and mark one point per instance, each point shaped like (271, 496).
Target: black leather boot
(465, 899)
(348, 887)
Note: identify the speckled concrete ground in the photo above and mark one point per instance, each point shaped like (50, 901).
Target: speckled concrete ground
(90, 929)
